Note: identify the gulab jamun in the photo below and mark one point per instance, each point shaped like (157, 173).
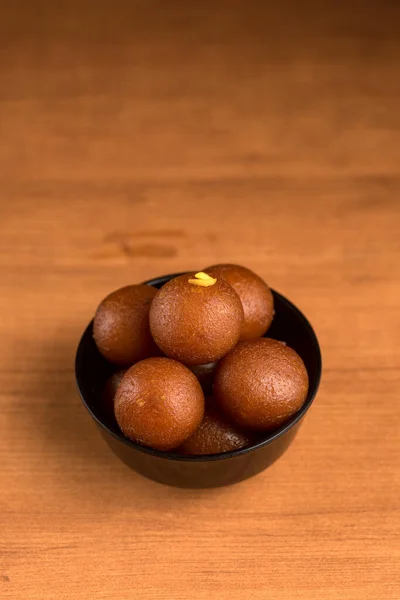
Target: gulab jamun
(196, 319)
(159, 403)
(215, 435)
(260, 384)
(121, 325)
(255, 295)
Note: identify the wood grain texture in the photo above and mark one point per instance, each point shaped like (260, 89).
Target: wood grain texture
(145, 138)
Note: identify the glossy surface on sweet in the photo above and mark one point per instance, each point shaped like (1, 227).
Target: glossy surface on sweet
(255, 295)
(193, 323)
(215, 434)
(159, 403)
(260, 384)
(121, 325)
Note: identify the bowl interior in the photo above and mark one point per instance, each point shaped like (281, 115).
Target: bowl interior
(289, 325)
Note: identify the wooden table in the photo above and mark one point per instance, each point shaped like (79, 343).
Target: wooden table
(145, 138)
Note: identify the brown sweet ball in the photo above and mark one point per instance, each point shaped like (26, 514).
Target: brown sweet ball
(159, 403)
(260, 384)
(109, 391)
(205, 374)
(196, 319)
(215, 435)
(121, 325)
(256, 297)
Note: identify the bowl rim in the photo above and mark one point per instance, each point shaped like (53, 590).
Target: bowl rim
(271, 437)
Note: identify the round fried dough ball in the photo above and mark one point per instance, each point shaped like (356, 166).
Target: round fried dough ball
(255, 295)
(196, 319)
(121, 325)
(215, 435)
(260, 384)
(159, 403)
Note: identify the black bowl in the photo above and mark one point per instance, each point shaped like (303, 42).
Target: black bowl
(92, 370)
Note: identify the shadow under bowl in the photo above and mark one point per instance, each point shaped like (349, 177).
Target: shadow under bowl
(92, 371)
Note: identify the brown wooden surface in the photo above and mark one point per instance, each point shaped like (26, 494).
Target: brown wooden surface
(145, 138)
